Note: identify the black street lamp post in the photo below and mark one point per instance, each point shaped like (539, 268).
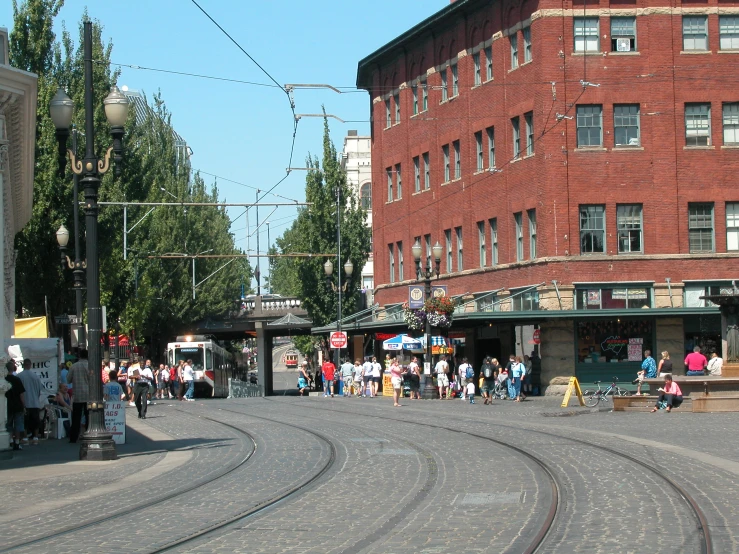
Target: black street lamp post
(425, 275)
(96, 443)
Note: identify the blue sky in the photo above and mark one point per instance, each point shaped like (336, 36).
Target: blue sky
(242, 132)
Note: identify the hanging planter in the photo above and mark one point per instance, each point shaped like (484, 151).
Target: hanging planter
(438, 312)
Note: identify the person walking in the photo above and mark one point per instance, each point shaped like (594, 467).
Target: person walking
(358, 376)
(347, 373)
(489, 372)
(376, 376)
(328, 370)
(518, 373)
(33, 387)
(303, 378)
(670, 394)
(367, 377)
(122, 378)
(695, 362)
(442, 377)
(141, 389)
(188, 379)
(397, 381)
(462, 371)
(509, 377)
(79, 376)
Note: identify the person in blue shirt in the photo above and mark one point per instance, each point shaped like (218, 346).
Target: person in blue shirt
(648, 370)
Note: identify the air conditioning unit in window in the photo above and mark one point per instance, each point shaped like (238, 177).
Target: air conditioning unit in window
(623, 45)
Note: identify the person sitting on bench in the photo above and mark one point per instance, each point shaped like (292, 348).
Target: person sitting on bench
(670, 394)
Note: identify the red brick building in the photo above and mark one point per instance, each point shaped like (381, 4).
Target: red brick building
(576, 161)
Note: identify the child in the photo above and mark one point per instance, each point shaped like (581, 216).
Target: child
(470, 390)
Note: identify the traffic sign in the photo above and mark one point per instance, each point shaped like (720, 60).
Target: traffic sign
(537, 337)
(338, 339)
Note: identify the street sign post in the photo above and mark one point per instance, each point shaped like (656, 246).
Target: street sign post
(338, 339)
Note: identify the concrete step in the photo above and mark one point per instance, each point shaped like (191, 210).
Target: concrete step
(644, 403)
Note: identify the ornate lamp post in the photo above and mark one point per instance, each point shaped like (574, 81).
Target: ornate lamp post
(425, 275)
(96, 443)
(339, 288)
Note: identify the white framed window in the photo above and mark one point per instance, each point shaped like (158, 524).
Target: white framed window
(488, 63)
(697, 124)
(414, 91)
(629, 227)
(457, 160)
(455, 80)
(700, 227)
(531, 215)
(396, 99)
(460, 257)
(514, 50)
(424, 95)
(493, 240)
(623, 34)
(587, 34)
(491, 146)
(444, 84)
(416, 174)
(388, 120)
(481, 242)
(518, 219)
(626, 125)
(732, 226)
(529, 119)
(728, 30)
(389, 172)
(516, 128)
(426, 171)
(592, 229)
(399, 182)
(391, 255)
(731, 123)
(695, 32)
(447, 167)
(589, 125)
(527, 53)
(448, 244)
(476, 65)
(400, 261)
(366, 196)
(479, 154)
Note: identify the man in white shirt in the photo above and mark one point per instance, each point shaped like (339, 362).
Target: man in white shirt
(442, 378)
(462, 376)
(33, 385)
(188, 378)
(366, 377)
(141, 390)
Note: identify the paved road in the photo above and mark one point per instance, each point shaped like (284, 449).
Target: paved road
(429, 477)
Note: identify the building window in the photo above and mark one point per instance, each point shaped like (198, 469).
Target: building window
(416, 174)
(623, 34)
(494, 241)
(414, 90)
(479, 153)
(389, 172)
(697, 124)
(626, 125)
(365, 194)
(488, 63)
(587, 34)
(391, 254)
(532, 233)
(592, 229)
(476, 63)
(457, 160)
(396, 99)
(491, 146)
(455, 80)
(732, 226)
(481, 242)
(447, 168)
(527, 54)
(516, 138)
(596, 298)
(444, 91)
(525, 301)
(424, 95)
(728, 29)
(517, 217)
(589, 126)
(460, 259)
(514, 50)
(448, 239)
(700, 227)
(731, 123)
(427, 241)
(388, 121)
(695, 32)
(399, 192)
(629, 226)
(426, 171)
(400, 261)
(529, 119)
(693, 293)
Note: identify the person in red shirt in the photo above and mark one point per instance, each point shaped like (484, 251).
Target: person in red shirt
(328, 369)
(670, 394)
(696, 362)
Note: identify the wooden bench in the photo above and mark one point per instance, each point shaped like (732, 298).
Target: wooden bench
(703, 393)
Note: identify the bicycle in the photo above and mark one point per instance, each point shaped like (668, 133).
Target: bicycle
(593, 397)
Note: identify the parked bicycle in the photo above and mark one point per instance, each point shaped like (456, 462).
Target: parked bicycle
(593, 397)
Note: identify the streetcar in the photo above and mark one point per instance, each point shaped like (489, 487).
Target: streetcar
(291, 359)
(212, 364)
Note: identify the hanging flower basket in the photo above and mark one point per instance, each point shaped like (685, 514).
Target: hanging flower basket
(438, 311)
(414, 319)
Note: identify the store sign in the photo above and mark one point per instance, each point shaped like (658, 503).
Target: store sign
(115, 420)
(537, 336)
(614, 344)
(415, 297)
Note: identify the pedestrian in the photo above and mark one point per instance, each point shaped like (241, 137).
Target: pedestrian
(695, 362)
(517, 375)
(15, 401)
(188, 380)
(358, 371)
(33, 387)
(396, 380)
(670, 394)
(665, 364)
(104, 371)
(122, 378)
(376, 376)
(164, 378)
(414, 378)
(509, 377)
(143, 378)
(347, 372)
(489, 372)
(526, 383)
(715, 364)
(648, 371)
(64, 402)
(470, 391)
(462, 371)
(112, 390)
(174, 383)
(442, 377)
(63, 371)
(367, 377)
(303, 378)
(79, 376)
(328, 370)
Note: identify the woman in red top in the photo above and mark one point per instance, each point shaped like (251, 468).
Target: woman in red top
(670, 394)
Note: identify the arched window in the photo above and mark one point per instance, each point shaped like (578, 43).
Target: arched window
(365, 196)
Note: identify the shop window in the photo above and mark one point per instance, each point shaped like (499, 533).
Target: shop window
(693, 293)
(613, 341)
(526, 301)
(616, 298)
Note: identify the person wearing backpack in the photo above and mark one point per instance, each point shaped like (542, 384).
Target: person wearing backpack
(489, 372)
(466, 373)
